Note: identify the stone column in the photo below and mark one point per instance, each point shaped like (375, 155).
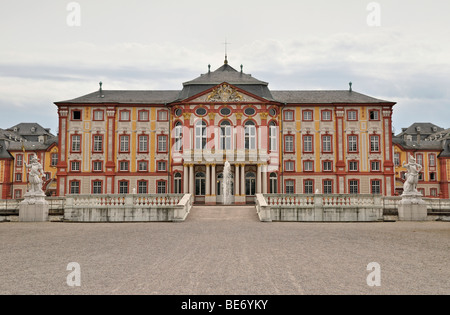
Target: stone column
(213, 179)
(242, 179)
(258, 180)
(186, 179)
(191, 179)
(264, 179)
(236, 180)
(208, 180)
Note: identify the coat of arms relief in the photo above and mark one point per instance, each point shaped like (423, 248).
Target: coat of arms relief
(224, 93)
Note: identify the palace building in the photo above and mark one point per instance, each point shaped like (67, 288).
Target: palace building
(177, 141)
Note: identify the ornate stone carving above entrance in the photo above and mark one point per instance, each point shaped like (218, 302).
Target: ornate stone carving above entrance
(224, 93)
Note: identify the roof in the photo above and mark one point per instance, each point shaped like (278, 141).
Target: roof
(421, 145)
(425, 128)
(127, 97)
(324, 97)
(29, 129)
(4, 154)
(33, 145)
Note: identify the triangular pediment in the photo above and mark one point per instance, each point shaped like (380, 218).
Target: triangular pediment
(225, 93)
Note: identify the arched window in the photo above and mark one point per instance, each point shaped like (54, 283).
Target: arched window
(178, 137)
(200, 135)
(273, 183)
(250, 135)
(177, 183)
(225, 135)
(273, 136)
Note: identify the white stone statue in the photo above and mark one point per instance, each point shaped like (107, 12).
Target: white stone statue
(412, 176)
(36, 172)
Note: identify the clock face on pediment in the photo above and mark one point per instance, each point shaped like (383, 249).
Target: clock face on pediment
(225, 93)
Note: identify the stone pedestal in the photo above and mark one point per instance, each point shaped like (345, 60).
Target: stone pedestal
(34, 208)
(412, 208)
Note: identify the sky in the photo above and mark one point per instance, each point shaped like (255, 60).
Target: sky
(55, 50)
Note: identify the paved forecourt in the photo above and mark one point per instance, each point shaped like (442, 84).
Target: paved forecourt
(225, 250)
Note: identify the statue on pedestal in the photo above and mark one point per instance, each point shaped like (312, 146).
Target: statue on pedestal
(412, 176)
(36, 172)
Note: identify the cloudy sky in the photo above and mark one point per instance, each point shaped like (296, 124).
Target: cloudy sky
(54, 50)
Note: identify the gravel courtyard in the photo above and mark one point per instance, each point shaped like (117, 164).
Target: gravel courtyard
(225, 250)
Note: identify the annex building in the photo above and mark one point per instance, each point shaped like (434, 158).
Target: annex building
(177, 141)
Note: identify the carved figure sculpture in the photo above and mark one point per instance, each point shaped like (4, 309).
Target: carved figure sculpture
(36, 173)
(412, 176)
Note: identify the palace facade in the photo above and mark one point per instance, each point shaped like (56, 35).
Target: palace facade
(177, 141)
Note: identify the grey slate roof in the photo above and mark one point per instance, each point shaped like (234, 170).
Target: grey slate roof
(4, 154)
(127, 97)
(324, 97)
(426, 129)
(26, 129)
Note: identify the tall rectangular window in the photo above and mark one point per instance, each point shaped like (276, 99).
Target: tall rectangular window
(289, 115)
(419, 158)
(54, 159)
(376, 187)
(327, 186)
(353, 166)
(397, 159)
(327, 166)
(123, 187)
(124, 143)
(162, 143)
(374, 143)
(308, 144)
(98, 143)
(142, 166)
(97, 166)
(19, 160)
(290, 185)
(289, 143)
(352, 143)
(143, 115)
(143, 143)
(161, 187)
(353, 186)
(307, 115)
(142, 187)
(308, 166)
(326, 144)
(123, 166)
(76, 143)
(309, 186)
(432, 160)
(273, 138)
(97, 187)
(289, 166)
(74, 187)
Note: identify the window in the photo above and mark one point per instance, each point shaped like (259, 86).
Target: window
(163, 115)
(161, 166)
(326, 144)
(19, 160)
(273, 183)
(353, 186)
(352, 115)
(307, 115)
(327, 166)
(75, 187)
(289, 115)
(161, 187)
(432, 176)
(178, 112)
(327, 186)
(289, 143)
(374, 115)
(326, 115)
(290, 186)
(225, 135)
(98, 115)
(308, 166)
(124, 166)
(273, 112)
(142, 187)
(97, 187)
(76, 143)
(309, 186)
(18, 193)
(143, 115)
(201, 111)
(249, 111)
(250, 135)
(397, 159)
(433, 192)
(143, 143)
(75, 166)
(375, 166)
(374, 143)
(200, 135)
(225, 111)
(177, 183)
(142, 166)
(376, 187)
(18, 177)
(200, 184)
(76, 115)
(289, 166)
(352, 143)
(98, 143)
(124, 143)
(307, 143)
(54, 159)
(419, 158)
(125, 115)
(432, 160)
(273, 136)
(162, 143)
(250, 184)
(353, 166)
(178, 137)
(97, 166)
(123, 187)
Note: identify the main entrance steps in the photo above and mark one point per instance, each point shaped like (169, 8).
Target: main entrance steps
(222, 213)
